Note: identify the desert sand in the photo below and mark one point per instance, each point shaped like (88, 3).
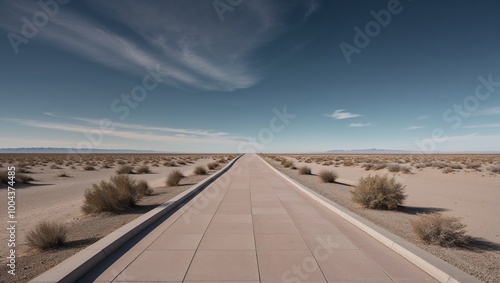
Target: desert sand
(60, 198)
(472, 195)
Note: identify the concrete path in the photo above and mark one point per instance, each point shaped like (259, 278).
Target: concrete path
(250, 225)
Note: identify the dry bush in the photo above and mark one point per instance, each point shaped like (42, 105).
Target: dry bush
(200, 170)
(20, 178)
(406, 169)
(89, 168)
(143, 188)
(439, 229)
(62, 175)
(328, 176)
(304, 170)
(54, 166)
(494, 169)
(174, 178)
(47, 235)
(473, 166)
(367, 166)
(212, 165)
(170, 164)
(448, 170)
(287, 163)
(144, 169)
(394, 168)
(117, 195)
(125, 169)
(379, 192)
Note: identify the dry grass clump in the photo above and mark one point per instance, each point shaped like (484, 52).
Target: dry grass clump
(494, 169)
(379, 192)
(125, 169)
(200, 170)
(287, 163)
(170, 164)
(212, 165)
(144, 169)
(448, 170)
(305, 170)
(174, 178)
(117, 195)
(89, 168)
(20, 178)
(63, 175)
(328, 176)
(47, 235)
(439, 229)
(143, 188)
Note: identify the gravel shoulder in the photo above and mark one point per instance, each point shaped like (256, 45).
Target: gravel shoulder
(481, 260)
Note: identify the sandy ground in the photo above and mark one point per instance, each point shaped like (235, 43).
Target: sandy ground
(481, 258)
(60, 198)
(472, 195)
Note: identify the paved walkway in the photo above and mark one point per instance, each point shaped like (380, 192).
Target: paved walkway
(250, 225)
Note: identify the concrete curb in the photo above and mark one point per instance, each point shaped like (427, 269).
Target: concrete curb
(434, 266)
(73, 268)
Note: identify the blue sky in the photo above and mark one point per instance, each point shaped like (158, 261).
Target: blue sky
(234, 76)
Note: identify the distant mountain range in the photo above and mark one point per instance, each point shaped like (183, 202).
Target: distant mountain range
(395, 151)
(72, 150)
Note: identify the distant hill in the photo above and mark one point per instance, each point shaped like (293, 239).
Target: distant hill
(395, 151)
(71, 150)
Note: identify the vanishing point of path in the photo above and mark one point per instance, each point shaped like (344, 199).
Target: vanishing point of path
(250, 225)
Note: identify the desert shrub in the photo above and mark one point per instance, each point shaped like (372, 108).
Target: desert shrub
(304, 170)
(144, 169)
(125, 169)
(379, 166)
(456, 166)
(287, 163)
(20, 178)
(379, 192)
(473, 166)
(115, 196)
(62, 175)
(174, 178)
(47, 235)
(200, 170)
(367, 166)
(448, 170)
(494, 169)
(54, 166)
(169, 164)
(328, 176)
(89, 168)
(348, 163)
(143, 188)
(440, 164)
(438, 229)
(107, 165)
(394, 168)
(406, 169)
(212, 165)
(420, 165)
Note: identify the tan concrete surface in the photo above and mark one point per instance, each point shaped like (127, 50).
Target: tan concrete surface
(250, 225)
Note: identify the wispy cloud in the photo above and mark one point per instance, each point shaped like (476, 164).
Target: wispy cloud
(359, 125)
(488, 112)
(413, 128)
(342, 114)
(423, 117)
(482, 126)
(134, 131)
(202, 53)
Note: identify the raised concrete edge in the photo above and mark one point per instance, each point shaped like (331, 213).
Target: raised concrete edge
(434, 266)
(76, 266)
